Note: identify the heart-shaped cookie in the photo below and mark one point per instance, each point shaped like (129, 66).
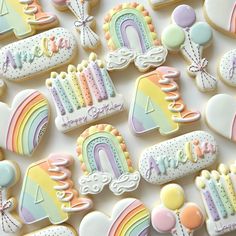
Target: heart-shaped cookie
(221, 115)
(130, 218)
(23, 125)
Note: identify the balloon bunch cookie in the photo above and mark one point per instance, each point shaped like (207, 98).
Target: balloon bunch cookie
(9, 176)
(80, 8)
(157, 103)
(35, 55)
(56, 199)
(105, 161)
(129, 218)
(24, 123)
(177, 157)
(174, 216)
(83, 94)
(221, 15)
(190, 38)
(23, 18)
(131, 37)
(218, 193)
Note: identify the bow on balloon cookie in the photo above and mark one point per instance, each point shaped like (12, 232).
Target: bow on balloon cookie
(190, 38)
(174, 215)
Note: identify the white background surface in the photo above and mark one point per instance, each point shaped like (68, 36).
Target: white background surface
(124, 81)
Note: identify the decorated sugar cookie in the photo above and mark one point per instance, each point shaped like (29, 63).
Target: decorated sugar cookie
(129, 218)
(174, 216)
(131, 37)
(43, 52)
(217, 189)
(156, 4)
(9, 176)
(157, 103)
(56, 199)
(80, 8)
(55, 230)
(178, 157)
(190, 38)
(24, 123)
(83, 94)
(24, 17)
(227, 68)
(221, 15)
(220, 113)
(105, 161)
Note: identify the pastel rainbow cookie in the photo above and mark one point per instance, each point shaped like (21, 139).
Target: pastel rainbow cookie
(54, 230)
(129, 218)
(131, 37)
(105, 160)
(217, 189)
(23, 17)
(55, 200)
(24, 124)
(221, 15)
(157, 103)
(156, 4)
(83, 94)
(9, 175)
(174, 216)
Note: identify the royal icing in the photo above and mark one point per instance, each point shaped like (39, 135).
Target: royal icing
(55, 230)
(220, 113)
(190, 39)
(9, 176)
(157, 103)
(24, 124)
(227, 68)
(80, 8)
(175, 216)
(23, 17)
(222, 15)
(131, 37)
(129, 218)
(178, 157)
(55, 200)
(156, 4)
(105, 161)
(217, 189)
(37, 54)
(83, 94)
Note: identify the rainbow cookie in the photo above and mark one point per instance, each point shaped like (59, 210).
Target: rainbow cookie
(83, 94)
(157, 103)
(105, 160)
(217, 189)
(131, 37)
(43, 52)
(227, 68)
(54, 230)
(55, 200)
(156, 4)
(174, 216)
(24, 124)
(178, 157)
(129, 218)
(190, 38)
(9, 176)
(24, 17)
(226, 124)
(80, 8)
(221, 15)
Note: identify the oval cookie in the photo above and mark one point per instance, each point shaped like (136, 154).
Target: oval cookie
(177, 157)
(29, 57)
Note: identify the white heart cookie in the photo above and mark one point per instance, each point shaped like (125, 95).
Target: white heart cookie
(129, 218)
(221, 14)
(227, 68)
(23, 125)
(220, 115)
